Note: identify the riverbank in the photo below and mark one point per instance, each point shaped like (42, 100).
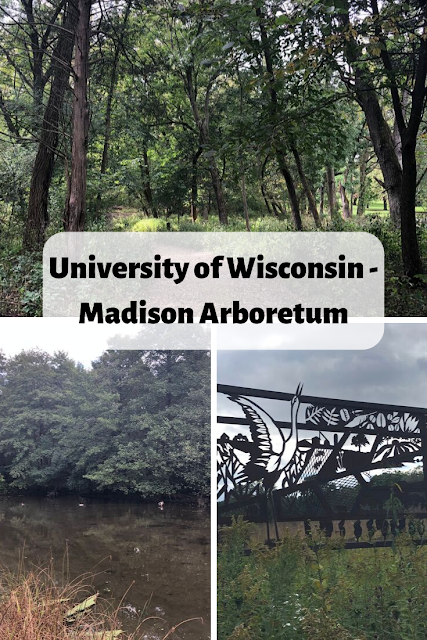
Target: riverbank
(145, 561)
(191, 499)
(33, 606)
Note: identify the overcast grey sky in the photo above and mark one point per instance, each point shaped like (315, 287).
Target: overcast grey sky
(394, 371)
(83, 343)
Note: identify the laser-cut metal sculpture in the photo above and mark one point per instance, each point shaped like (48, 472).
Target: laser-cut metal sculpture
(317, 467)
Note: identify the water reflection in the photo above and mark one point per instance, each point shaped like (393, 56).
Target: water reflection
(164, 553)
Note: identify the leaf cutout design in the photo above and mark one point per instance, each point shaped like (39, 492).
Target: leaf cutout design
(313, 414)
(381, 421)
(408, 423)
(331, 417)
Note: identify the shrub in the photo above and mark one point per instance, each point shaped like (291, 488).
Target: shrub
(303, 591)
(150, 224)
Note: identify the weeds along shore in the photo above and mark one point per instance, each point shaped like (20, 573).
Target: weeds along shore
(35, 605)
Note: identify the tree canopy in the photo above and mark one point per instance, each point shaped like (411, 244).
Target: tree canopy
(214, 114)
(136, 423)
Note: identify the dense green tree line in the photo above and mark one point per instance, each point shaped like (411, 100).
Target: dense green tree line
(136, 422)
(213, 114)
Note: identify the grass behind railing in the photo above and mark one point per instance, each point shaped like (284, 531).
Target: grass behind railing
(315, 589)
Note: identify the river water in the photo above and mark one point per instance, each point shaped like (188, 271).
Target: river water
(163, 554)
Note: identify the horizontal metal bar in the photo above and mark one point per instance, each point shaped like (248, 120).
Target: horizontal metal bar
(375, 431)
(348, 404)
(224, 517)
(378, 544)
(244, 422)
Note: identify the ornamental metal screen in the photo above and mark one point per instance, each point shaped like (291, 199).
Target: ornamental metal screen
(319, 462)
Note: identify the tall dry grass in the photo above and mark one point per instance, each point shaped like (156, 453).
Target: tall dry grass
(35, 605)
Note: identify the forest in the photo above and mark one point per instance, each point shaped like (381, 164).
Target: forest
(267, 115)
(136, 422)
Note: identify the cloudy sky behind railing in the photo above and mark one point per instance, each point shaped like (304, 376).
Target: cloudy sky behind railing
(395, 371)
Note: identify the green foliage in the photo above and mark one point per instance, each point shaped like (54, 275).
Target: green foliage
(256, 597)
(187, 99)
(300, 591)
(137, 422)
(150, 224)
(15, 172)
(388, 478)
(190, 98)
(3, 486)
(237, 536)
(21, 280)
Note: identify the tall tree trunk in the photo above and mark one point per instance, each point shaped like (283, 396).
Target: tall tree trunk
(410, 250)
(308, 192)
(379, 129)
(396, 133)
(397, 143)
(41, 177)
(322, 197)
(399, 180)
(361, 204)
(265, 197)
(202, 123)
(112, 89)
(263, 187)
(194, 184)
(109, 103)
(400, 183)
(242, 162)
(344, 202)
(219, 194)
(293, 199)
(36, 62)
(332, 195)
(146, 180)
(75, 210)
(382, 141)
(108, 113)
(245, 202)
(280, 154)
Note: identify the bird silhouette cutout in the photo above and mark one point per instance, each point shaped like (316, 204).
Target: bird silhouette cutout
(270, 452)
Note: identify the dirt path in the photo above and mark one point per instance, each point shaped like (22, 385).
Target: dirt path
(122, 213)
